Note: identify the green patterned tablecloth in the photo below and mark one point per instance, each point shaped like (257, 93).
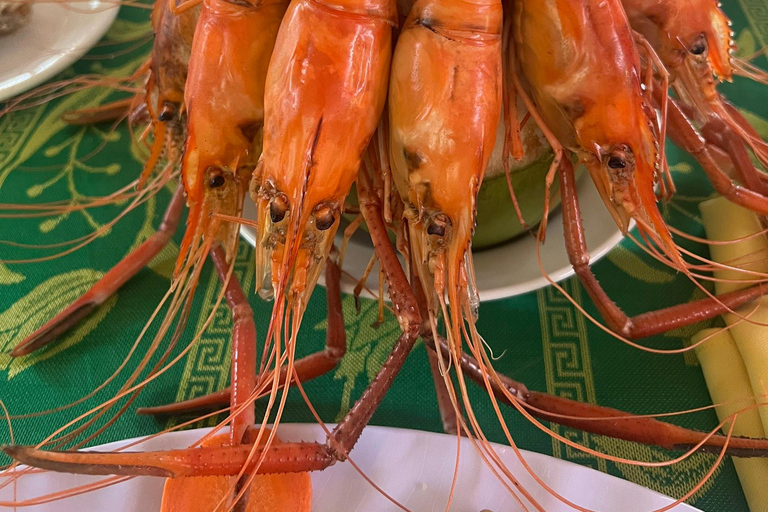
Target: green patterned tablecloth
(545, 343)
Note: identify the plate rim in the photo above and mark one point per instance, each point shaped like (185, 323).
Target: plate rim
(67, 57)
(305, 431)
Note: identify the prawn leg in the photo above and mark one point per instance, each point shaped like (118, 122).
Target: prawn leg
(719, 138)
(243, 347)
(646, 324)
(306, 368)
(108, 284)
(279, 458)
(448, 414)
(685, 136)
(715, 133)
(126, 107)
(197, 495)
(742, 122)
(695, 44)
(600, 420)
(178, 9)
(513, 143)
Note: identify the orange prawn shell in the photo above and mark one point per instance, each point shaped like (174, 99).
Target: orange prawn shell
(335, 73)
(171, 52)
(267, 493)
(225, 89)
(673, 26)
(164, 99)
(580, 60)
(445, 102)
(225, 101)
(326, 89)
(566, 40)
(444, 109)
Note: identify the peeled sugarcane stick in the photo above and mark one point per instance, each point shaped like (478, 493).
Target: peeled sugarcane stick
(730, 388)
(725, 221)
(735, 362)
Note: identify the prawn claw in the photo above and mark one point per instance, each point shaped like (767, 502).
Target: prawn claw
(202, 461)
(55, 327)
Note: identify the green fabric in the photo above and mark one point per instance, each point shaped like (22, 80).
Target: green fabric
(540, 338)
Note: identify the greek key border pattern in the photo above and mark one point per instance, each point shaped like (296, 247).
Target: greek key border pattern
(568, 364)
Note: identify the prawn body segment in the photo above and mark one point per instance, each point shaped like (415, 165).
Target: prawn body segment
(685, 31)
(579, 60)
(170, 59)
(444, 108)
(325, 92)
(225, 101)
(694, 41)
(164, 96)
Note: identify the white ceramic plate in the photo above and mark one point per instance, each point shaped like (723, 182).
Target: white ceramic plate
(56, 37)
(415, 468)
(510, 269)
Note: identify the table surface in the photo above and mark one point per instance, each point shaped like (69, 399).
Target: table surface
(540, 338)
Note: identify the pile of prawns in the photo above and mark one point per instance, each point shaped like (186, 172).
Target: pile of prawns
(293, 103)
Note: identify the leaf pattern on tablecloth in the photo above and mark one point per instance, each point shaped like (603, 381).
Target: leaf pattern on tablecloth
(61, 155)
(745, 44)
(47, 122)
(757, 17)
(128, 31)
(757, 122)
(635, 266)
(8, 276)
(368, 345)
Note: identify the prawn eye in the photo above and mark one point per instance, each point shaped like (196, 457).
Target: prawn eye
(168, 111)
(216, 178)
(278, 207)
(324, 218)
(438, 225)
(699, 47)
(617, 162)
